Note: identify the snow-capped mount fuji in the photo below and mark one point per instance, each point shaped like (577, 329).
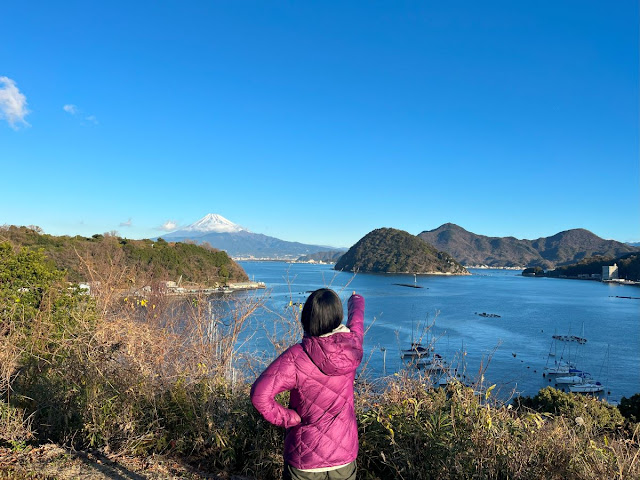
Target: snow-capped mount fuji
(212, 222)
(239, 242)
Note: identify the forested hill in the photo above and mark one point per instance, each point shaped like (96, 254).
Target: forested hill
(562, 248)
(387, 250)
(156, 261)
(628, 267)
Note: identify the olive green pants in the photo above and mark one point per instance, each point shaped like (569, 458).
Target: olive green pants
(348, 472)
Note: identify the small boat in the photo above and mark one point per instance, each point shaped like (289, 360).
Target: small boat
(570, 338)
(417, 350)
(559, 368)
(575, 377)
(587, 387)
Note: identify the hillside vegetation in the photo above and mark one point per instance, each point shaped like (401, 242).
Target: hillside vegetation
(156, 261)
(628, 267)
(562, 248)
(387, 250)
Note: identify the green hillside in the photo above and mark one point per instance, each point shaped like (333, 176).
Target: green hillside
(387, 250)
(155, 261)
(628, 267)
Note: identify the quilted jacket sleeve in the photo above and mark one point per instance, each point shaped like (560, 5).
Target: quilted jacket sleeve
(355, 308)
(278, 377)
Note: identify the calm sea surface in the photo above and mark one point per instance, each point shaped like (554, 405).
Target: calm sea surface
(514, 348)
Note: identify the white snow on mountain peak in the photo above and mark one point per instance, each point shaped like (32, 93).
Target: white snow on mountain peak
(213, 222)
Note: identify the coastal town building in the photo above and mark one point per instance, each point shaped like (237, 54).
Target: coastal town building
(610, 272)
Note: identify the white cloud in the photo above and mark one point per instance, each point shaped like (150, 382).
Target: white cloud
(128, 223)
(168, 226)
(70, 108)
(13, 104)
(74, 110)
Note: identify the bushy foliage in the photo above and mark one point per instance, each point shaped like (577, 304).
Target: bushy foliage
(157, 260)
(597, 415)
(630, 408)
(25, 278)
(410, 431)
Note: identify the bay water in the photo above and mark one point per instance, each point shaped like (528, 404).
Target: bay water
(508, 347)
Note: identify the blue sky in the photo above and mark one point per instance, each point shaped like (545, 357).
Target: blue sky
(320, 121)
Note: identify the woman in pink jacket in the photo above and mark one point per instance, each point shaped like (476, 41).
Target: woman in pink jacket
(322, 434)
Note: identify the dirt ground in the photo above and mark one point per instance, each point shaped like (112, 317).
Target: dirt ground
(49, 462)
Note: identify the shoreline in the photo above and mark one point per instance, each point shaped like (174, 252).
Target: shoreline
(486, 267)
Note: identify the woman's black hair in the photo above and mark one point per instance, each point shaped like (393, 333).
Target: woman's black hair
(322, 312)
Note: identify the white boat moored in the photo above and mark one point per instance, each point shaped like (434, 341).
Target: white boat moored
(587, 387)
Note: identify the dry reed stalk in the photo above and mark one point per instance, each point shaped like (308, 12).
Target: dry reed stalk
(287, 328)
(14, 424)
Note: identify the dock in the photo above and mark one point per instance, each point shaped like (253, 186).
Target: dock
(229, 288)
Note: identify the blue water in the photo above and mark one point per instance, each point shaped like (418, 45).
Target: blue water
(511, 350)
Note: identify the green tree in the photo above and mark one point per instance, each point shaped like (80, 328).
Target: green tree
(26, 276)
(593, 412)
(630, 408)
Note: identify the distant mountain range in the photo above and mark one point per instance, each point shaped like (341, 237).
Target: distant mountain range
(239, 242)
(468, 248)
(387, 250)
(563, 248)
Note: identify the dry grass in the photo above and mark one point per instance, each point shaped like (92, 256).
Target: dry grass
(133, 375)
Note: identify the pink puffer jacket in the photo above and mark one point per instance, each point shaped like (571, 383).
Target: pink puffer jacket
(319, 372)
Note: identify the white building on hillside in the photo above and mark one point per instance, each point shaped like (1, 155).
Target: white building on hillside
(610, 272)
